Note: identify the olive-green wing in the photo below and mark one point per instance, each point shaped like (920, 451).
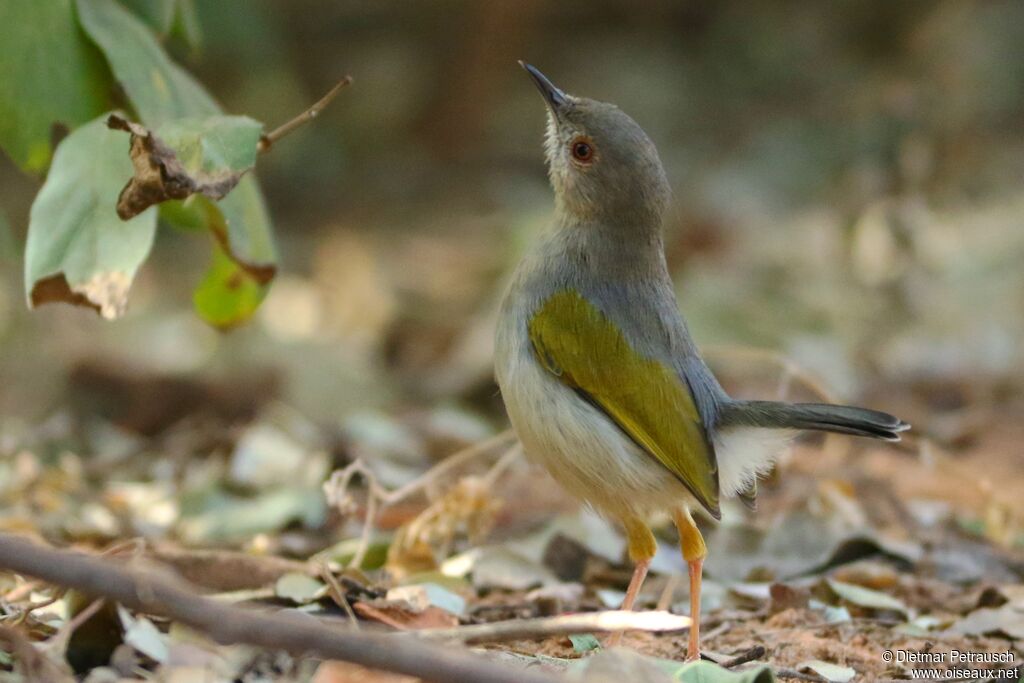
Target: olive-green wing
(648, 400)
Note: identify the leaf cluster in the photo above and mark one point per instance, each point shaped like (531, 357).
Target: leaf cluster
(89, 71)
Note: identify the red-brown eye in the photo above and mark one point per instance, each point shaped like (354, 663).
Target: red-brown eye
(582, 150)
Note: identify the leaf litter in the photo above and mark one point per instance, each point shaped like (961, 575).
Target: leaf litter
(813, 587)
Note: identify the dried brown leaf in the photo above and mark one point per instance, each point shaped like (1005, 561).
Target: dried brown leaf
(161, 175)
(404, 617)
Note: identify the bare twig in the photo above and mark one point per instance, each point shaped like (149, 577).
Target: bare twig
(750, 655)
(668, 593)
(35, 666)
(567, 624)
(337, 594)
(336, 488)
(800, 675)
(33, 606)
(59, 640)
(23, 591)
(469, 505)
(451, 462)
(501, 466)
(790, 369)
(267, 140)
(292, 632)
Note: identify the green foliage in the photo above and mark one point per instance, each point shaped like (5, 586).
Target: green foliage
(54, 74)
(212, 145)
(706, 672)
(168, 17)
(584, 642)
(158, 14)
(159, 89)
(49, 74)
(229, 294)
(78, 249)
(247, 225)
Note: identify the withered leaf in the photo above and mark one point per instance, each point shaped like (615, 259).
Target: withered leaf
(402, 616)
(206, 156)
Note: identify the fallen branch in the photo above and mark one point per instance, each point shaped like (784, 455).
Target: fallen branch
(289, 631)
(567, 624)
(267, 140)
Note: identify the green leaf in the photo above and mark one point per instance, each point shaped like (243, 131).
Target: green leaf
(162, 92)
(78, 250)
(186, 215)
(246, 230)
(228, 294)
(214, 145)
(186, 24)
(627, 665)
(299, 588)
(49, 73)
(158, 14)
(159, 89)
(584, 642)
(216, 517)
(342, 552)
(706, 672)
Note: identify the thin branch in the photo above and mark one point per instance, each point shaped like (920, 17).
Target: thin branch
(267, 140)
(668, 593)
(337, 594)
(337, 494)
(35, 666)
(791, 370)
(754, 653)
(799, 675)
(567, 624)
(451, 462)
(32, 606)
(501, 466)
(283, 630)
(58, 642)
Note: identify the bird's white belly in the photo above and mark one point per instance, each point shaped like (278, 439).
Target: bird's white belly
(581, 448)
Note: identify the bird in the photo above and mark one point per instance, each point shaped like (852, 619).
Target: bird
(601, 380)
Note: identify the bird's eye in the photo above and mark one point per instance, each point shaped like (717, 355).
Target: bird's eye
(582, 150)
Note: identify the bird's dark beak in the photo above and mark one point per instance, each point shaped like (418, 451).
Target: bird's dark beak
(556, 100)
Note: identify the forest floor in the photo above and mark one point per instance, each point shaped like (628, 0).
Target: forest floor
(860, 558)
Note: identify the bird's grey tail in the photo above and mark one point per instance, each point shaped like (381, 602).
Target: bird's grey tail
(817, 416)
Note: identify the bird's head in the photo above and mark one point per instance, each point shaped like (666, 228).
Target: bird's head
(601, 163)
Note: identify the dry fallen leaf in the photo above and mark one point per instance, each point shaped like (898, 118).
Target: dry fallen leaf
(404, 617)
(334, 671)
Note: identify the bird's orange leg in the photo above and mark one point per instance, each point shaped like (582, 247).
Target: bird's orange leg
(694, 550)
(642, 546)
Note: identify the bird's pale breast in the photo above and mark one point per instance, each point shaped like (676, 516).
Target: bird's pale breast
(582, 449)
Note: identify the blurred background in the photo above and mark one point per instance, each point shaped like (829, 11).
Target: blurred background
(848, 205)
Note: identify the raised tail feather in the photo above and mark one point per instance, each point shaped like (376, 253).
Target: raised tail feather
(816, 416)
